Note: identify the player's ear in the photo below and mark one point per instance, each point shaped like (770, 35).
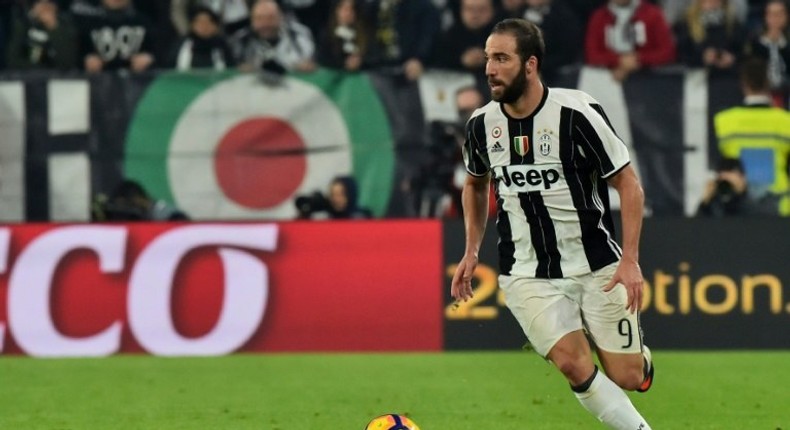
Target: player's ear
(532, 64)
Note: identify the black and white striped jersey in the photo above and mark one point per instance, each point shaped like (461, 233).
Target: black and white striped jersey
(549, 172)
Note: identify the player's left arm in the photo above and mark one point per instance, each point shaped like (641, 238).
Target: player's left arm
(632, 200)
(609, 155)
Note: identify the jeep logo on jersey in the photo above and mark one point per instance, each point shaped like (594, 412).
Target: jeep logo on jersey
(526, 178)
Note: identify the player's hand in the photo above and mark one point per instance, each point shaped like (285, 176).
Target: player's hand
(461, 288)
(629, 274)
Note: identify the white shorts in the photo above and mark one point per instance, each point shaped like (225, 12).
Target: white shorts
(548, 309)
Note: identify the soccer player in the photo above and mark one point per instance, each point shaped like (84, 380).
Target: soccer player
(551, 153)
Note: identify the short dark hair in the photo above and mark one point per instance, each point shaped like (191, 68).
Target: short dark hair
(200, 10)
(781, 2)
(754, 74)
(729, 164)
(128, 189)
(529, 38)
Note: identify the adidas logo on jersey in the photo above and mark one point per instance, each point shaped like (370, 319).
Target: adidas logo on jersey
(496, 148)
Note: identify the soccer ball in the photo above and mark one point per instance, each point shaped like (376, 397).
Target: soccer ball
(392, 422)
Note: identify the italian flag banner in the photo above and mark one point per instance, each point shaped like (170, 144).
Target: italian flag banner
(236, 146)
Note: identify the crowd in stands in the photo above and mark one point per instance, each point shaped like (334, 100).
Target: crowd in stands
(396, 35)
(393, 35)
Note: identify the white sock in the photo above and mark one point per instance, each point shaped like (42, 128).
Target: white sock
(610, 405)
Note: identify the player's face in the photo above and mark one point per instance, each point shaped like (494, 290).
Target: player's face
(505, 71)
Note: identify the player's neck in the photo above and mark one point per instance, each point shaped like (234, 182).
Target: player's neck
(528, 102)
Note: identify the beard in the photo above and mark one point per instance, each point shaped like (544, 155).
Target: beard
(516, 89)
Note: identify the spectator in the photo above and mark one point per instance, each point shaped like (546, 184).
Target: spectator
(130, 202)
(234, 14)
(758, 134)
(205, 47)
(274, 43)
(727, 194)
(162, 30)
(561, 32)
(342, 202)
(344, 41)
(755, 13)
(709, 36)
(772, 44)
(461, 46)
(584, 8)
(403, 35)
(448, 12)
(116, 37)
(312, 13)
(675, 10)
(85, 8)
(628, 35)
(343, 199)
(513, 8)
(43, 38)
(156, 12)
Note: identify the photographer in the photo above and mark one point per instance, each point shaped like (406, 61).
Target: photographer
(436, 190)
(341, 203)
(43, 38)
(130, 202)
(433, 187)
(728, 194)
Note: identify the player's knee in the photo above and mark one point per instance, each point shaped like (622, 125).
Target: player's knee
(629, 378)
(574, 366)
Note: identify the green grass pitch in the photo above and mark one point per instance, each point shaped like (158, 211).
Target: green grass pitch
(446, 391)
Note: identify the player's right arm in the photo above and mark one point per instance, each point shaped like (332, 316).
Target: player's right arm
(474, 198)
(475, 203)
